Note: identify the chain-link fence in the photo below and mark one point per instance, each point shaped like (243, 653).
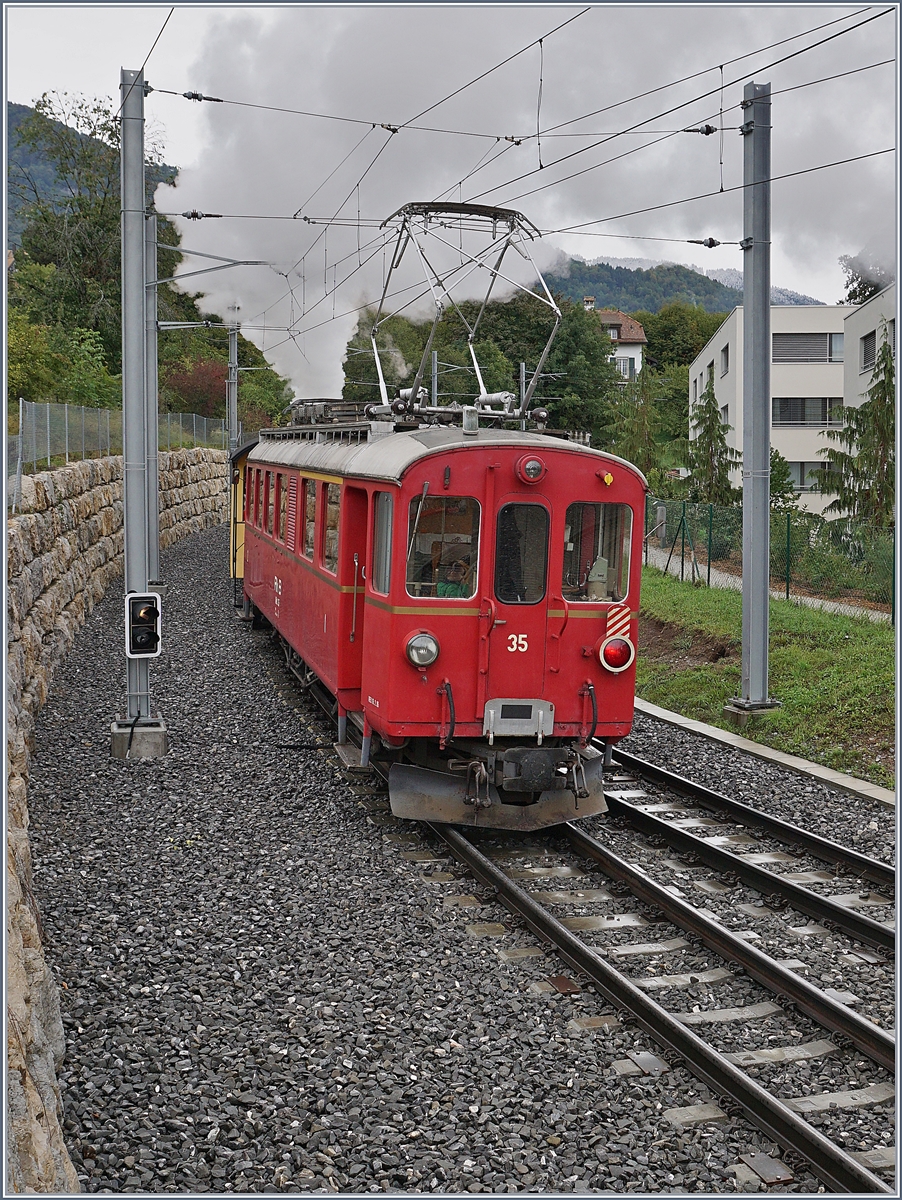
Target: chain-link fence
(840, 565)
(51, 435)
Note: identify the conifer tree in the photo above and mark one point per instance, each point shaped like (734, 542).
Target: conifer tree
(860, 470)
(634, 423)
(710, 458)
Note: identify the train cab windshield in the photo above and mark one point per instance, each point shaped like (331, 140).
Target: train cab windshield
(596, 552)
(443, 546)
(521, 553)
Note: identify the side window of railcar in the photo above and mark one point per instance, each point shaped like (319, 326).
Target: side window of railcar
(382, 528)
(270, 500)
(521, 553)
(596, 552)
(248, 494)
(308, 515)
(258, 498)
(283, 505)
(443, 546)
(332, 492)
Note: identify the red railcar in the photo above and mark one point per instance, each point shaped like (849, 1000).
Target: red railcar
(469, 598)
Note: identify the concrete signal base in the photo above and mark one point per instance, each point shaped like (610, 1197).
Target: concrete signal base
(148, 738)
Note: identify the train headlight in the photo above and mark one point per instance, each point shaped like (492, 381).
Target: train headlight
(530, 469)
(422, 649)
(616, 654)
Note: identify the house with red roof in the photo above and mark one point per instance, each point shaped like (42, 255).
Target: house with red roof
(627, 338)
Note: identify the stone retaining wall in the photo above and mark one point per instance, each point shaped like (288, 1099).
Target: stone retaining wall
(64, 549)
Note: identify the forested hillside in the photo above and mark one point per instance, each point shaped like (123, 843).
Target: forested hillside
(64, 287)
(626, 290)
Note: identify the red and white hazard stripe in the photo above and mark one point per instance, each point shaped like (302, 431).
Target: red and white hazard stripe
(618, 621)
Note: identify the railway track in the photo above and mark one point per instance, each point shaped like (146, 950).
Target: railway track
(779, 1119)
(793, 1020)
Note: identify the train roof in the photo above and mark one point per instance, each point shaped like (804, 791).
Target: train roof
(390, 456)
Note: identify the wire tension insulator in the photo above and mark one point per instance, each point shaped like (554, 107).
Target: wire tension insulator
(707, 130)
(201, 96)
(194, 215)
(709, 242)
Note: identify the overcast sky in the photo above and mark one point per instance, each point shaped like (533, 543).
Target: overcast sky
(381, 65)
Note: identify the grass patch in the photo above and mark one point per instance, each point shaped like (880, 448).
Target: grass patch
(833, 675)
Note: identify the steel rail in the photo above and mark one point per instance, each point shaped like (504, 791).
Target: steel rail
(876, 1043)
(827, 851)
(832, 1165)
(822, 908)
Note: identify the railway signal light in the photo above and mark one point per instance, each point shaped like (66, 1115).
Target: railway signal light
(142, 625)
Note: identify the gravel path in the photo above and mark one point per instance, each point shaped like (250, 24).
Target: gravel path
(264, 986)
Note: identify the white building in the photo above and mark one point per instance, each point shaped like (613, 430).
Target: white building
(864, 336)
(627, 338)
(807, 384)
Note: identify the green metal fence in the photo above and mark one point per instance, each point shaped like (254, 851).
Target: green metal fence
(842, 565)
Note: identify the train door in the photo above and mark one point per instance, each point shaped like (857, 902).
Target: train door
(352, 551)
(516, 597)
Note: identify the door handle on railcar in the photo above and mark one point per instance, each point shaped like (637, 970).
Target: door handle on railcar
(354, 599)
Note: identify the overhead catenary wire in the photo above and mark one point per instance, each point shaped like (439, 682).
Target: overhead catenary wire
(683, 104)
(706, 70)
(391, 127)
(648, 132)
(737, 188)
(495, 151)
(146, 60)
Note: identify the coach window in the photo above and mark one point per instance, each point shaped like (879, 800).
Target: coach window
(257, 511)
(283, 505)
(382, 523)
(308, 515)
(596, 552)
(332, 493)
(521, 553)
(270, 500)
(442, 546)
(248, 494)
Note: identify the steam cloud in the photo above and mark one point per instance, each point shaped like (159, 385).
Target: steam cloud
(385, 65)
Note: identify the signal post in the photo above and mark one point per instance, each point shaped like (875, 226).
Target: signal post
(139, 732)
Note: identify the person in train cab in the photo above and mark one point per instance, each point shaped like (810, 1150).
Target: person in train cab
(454, 584)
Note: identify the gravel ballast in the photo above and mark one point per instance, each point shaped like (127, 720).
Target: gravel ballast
(264, 988)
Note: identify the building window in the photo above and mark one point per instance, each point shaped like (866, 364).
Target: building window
(807, 347)
(803, 474)
(869, 350)
(694, 391)
(891, 335)
(725, 359)
(807, 410)
(725, 414)
(626, 367)
(710, 373)
(613, 332)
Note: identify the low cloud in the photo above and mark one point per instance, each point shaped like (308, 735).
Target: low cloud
(384, 65)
